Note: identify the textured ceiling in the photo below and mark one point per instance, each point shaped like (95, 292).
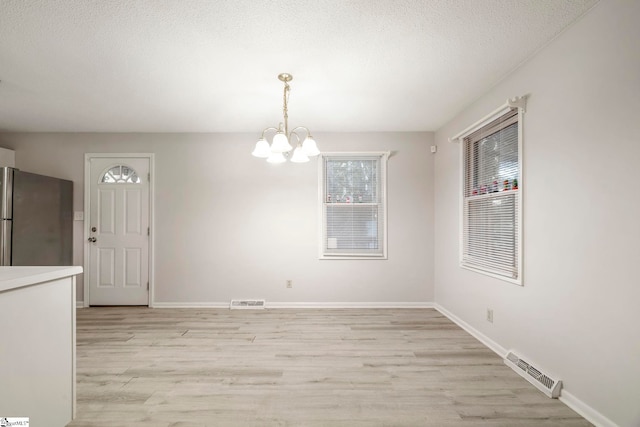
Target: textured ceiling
(211, 66)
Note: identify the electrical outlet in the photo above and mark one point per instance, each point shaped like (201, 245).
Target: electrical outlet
(489, 315)
(289, 283)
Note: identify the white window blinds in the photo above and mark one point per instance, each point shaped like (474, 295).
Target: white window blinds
(491, 198)
(353, 192)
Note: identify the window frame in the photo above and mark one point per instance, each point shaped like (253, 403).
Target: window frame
(518, 103)
(101, 180)
(382, 224)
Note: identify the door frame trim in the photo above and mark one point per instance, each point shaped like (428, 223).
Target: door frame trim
(87, 210)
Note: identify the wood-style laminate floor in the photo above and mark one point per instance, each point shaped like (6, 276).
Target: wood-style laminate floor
(344, 367)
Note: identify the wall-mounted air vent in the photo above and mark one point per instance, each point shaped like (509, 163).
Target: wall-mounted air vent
(543, 382)
(246, 304)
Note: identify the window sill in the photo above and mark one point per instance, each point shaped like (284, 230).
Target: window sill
(354, 257)
(517, 281)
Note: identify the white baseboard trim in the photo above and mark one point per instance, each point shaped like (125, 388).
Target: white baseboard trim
(79, 304)
(590, 414)
(349, 304)
(299, 305)
(190, 304)
(586, 411)
(497, 348)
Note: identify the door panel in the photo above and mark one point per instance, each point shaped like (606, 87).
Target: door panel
(106, 215)
(133, 212)
(106, 267)
(119, 211)
(132, 266)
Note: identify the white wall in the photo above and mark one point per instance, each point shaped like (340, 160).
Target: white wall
(229, 225)
(578, 313)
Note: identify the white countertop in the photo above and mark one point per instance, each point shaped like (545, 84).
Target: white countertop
(17, 277)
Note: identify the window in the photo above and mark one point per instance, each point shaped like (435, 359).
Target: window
(491, 212)
(120, 175)
(354, 200)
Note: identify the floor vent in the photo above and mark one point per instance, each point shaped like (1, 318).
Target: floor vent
(246, 304)
(543, 382)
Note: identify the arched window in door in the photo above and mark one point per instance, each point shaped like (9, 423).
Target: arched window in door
(120, 174)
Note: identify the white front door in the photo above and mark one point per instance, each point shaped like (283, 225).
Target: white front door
(118, 227)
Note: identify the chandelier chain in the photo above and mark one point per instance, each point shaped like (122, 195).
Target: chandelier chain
(285, 110)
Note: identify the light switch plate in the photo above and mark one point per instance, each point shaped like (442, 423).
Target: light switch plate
(78, 216)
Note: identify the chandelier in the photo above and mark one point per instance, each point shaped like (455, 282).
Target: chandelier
(280, 146)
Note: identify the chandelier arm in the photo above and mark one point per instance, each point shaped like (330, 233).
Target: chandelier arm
(267, 129)
(293, 132)
(297, 137)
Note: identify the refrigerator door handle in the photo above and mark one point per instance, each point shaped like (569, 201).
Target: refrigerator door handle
(5, 242)
(6, 193)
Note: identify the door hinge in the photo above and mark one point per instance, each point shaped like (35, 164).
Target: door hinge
(148, 231)
(149, 177)
(147, 285)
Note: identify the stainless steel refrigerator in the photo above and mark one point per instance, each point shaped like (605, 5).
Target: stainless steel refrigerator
(36, 219)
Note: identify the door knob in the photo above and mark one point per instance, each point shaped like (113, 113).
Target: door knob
(92, 239)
